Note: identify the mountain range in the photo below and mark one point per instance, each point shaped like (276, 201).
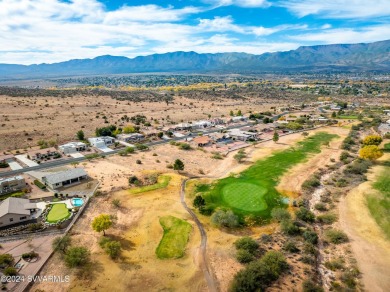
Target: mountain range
(339, 57)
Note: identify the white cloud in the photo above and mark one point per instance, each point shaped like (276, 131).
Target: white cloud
(326, 26)
(241, 3)
(338, 9)
(347, 35)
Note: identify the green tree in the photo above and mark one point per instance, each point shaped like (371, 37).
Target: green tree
(199, 202)
(77, 256)
(6, 259)
(231, 113)
(239, 113)
(275, 138)
(222, 218)
(247, 243)
(111, 247)
(370, 152)
(80, 135)
(178, 165)
(102, 223)
(334, 115)
(61, 243)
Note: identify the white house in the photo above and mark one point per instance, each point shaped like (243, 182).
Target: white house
(72, 147)
(12, 184)
(101, 141)
(239, 119)
(201, 124)
(64, 178)
(237, 134)
(135, 137)
(16, 210)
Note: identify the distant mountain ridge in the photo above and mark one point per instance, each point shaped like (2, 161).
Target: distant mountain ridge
(339, 57)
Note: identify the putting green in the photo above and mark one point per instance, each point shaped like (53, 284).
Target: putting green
(245, 196)
(57, 213)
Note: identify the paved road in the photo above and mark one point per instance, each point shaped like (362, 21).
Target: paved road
(203, 244)
(60, 162)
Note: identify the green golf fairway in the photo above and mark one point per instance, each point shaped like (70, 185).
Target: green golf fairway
(245, 196)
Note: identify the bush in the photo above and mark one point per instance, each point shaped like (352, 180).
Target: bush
(260, 274)
(310, 286)
(138, 161)
(372, 140)
(336, 236)
(327, 218)
(370, 152)
(305, 215)
(185, 146)
(310, 236)
(10, 271)
(4, 164)
(39, 184)
(243, 256)
(111, 247)
(61, 243)
(280, 214)
(344, 156)
(29, 255)
(141, 147)
(77, 256)
(6, 259)
(247, 243)
(289, 227)
(222, 218)
(320, 207)
(133, 180)
(116, 203)
(336, 264)
(311, 183)
(310, 249)
(290, 246)
(359, 166)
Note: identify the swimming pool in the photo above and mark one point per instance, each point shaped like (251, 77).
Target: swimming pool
(77, 202)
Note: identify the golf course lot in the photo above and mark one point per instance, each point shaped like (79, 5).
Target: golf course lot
(57, 212)
(163, 181)
(252, 192)
(175, 237)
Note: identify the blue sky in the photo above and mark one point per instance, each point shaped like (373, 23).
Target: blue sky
(47, 31)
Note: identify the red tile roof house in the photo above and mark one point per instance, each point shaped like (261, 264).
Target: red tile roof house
(202, 141)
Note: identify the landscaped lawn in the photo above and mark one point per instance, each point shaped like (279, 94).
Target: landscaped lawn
(252, 192)
(386, 147)
(379, 204)
(175, 238)
(163, 181)
(345, 117)
(57, 213)
(17, 194)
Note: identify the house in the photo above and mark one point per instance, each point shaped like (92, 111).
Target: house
(72, 147)
(12, 184)
(201, 125)
(218, 137)
(183, 127)
(384, 129)
(238, 134)
(202, 141)
(64, 178)
(103, 141)
(238, 119)
(16, 210)
(42, 154)
(151, 132)
(134, 137)
(216, 121)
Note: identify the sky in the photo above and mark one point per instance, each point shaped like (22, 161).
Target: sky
(49, 31)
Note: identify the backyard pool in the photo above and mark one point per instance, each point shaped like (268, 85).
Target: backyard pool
(77, 202)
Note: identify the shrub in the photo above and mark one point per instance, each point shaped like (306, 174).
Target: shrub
(307, 259)
(77, 256)
(39, 184)
(370, 152)
(372, 140)
(327, 218)
(320, 207)
(6, 259)
(311, 183)
(222, 218)
(280, 214)
(344, 156)
(4, 164)
(138, 161)
(336, 264)
(133, 180)
(247, 243)
(336, 236)
(359, 166)
(310, 249)
(305, 215)
(310, 286)
(141, 147)
(185, 146)
(116, 203)
(61, 243)
(243, 256)
(289, 227)
(290, 246)
(10, 271)
(260, 274)
(310, 236)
